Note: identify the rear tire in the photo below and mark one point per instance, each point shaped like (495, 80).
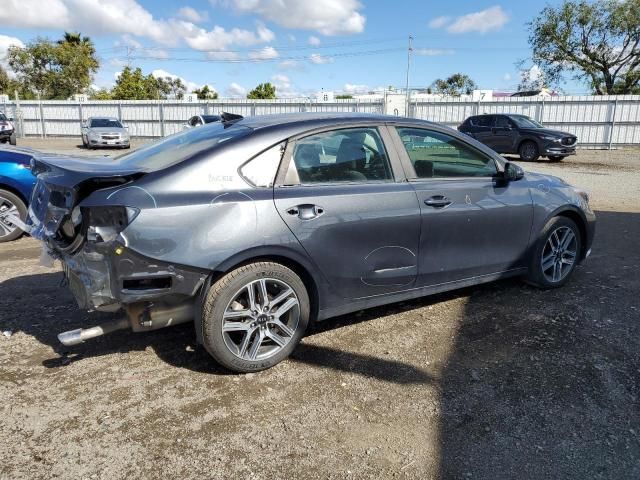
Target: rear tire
(11, 202)
(556, 254)
(12, 139)
(246, 332)
(528, 151)
(556, 158)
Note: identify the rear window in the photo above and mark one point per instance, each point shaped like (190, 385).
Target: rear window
(179, 147)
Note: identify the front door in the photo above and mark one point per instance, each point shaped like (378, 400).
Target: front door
(472, 224)
(504, 135)
(340, 199)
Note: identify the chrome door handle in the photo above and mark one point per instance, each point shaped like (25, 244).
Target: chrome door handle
(306, 211)
(437, 201)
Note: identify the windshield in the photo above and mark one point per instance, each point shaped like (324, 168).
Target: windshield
(105, 122)
(2, 117)
(179, 147)
(525, 122)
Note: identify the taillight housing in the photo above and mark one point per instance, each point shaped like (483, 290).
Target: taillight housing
(105, 223)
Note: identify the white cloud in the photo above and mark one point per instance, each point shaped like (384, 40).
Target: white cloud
(433, 52)
(235, 90)
(493, 18)
(5, 43)
(289, 65)
(328, 17)
(267, 53)
(506, 77)
(315, 41)
(193, 15)
(191, 86)
(283, 86)
(354, 88)
(320, 59)
(223, 56)
(439, 22)
(97, 17)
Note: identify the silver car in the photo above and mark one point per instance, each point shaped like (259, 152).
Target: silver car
(105, 132)
(254, 228)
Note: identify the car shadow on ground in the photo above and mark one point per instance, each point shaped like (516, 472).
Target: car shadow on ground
(41, 307)
(546, 384)
(539, 384)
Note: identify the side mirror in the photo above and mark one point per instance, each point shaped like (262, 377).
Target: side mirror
(512, 172)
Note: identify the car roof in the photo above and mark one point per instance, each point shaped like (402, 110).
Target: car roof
(320, 119)
(104, 118)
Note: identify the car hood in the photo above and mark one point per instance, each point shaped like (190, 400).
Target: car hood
(100, 130)
(546, 131)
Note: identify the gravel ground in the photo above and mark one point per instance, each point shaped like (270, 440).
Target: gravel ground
(498, 381)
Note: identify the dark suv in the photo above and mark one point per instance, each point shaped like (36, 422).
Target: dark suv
(7, 131)
(510, 133)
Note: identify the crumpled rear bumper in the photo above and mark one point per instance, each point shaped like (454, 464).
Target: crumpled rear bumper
(105, 277)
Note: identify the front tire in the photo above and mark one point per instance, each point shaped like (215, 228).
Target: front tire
(528, 151)
(556, 254)
(10, 204)
(254, 316)
(12, 139)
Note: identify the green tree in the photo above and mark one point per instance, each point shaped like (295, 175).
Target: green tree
(344, 97)
(205, 93)
(55, 70)
(597, 42)
(264, 91)
(101, 94)
(134, 85)
(455, 85)
(173, 87)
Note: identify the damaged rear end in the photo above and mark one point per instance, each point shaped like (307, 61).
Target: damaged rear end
(71, 215)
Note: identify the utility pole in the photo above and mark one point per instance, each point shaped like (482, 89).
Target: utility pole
(408, 97)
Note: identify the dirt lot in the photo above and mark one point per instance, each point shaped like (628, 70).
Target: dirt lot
(498, 381)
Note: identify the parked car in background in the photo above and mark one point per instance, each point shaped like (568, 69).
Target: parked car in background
(253, 228)
(16, 184)
(7, 130)
(105, 132)
(199, 120)
(521, 135)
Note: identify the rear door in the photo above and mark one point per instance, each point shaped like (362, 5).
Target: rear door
(505, 135)
(483, 129)
(472, 224)
(343, 195)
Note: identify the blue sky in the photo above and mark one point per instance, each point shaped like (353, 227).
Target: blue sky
(301, 46)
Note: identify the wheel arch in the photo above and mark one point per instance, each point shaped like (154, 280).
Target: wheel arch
(527, 139)
(15, 191)
(579, 219)
(307, 272)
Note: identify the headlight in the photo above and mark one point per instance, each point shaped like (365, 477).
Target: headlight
(550, 139)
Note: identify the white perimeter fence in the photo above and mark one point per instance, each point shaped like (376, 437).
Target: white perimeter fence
(597, 121)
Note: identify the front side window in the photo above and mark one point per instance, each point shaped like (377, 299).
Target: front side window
(438, 155)
(346, 155)
(105, 123)
(525, 122)
(484, 121)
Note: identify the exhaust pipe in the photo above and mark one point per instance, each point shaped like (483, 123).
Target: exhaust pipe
(140, 318)
(79, 335)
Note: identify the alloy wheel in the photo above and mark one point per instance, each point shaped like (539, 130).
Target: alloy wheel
(7, 208)
(559, 254)
(261, 319)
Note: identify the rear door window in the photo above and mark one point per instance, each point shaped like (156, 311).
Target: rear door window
(345, 155)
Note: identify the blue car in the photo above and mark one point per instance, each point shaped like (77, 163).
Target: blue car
(16, 183)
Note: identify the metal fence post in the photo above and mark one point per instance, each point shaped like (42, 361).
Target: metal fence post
(42, 129)
(80, 114)
(120, 112)
(253, 109)
(613, 122)
(161, 113)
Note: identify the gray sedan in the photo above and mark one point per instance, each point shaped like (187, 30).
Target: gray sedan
(254, 228)
(105, 132)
